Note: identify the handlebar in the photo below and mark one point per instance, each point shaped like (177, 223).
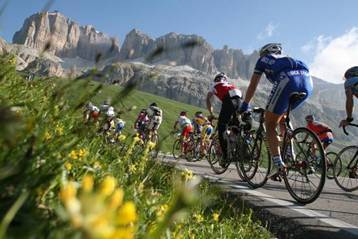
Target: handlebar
(350, 124)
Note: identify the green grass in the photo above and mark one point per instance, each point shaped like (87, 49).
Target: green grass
(44, 146)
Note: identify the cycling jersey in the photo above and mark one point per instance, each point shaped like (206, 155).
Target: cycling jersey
(183, 121)
(287, 75)
(223, 88)
(322, 130)
(198, 123)
(207, 131)
(273, 65)
(352, 83)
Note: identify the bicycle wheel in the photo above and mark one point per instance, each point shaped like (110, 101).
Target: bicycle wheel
(190, 151)
(306, 166)
(346, 169)
(176, 149)
(258, 163)
(331, 157)
(215, 157)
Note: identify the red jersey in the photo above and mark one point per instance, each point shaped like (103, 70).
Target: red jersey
(222, 88)
(322, 130)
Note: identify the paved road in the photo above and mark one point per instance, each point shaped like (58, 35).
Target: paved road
(334, 211)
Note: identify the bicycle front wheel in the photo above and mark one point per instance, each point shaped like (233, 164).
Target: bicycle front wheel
(177, 149)
(215, 157)
(346, 169)
(306, 166)
(256, 167)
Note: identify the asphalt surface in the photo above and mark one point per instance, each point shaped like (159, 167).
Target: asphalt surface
(333, 215)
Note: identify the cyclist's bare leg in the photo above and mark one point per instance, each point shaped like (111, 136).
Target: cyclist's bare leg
(271, 122)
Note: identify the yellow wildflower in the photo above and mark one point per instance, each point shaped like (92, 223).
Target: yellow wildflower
(87, 183)
(198, 218)
(68, 192)
(117, 198)
(121, 138)
(132, 168)
(82, 153)
(73, 154)
(187, 174)
(68, 166)
(108, 185)
(48, 136)
(127, 214)
(59, 130)
(162, 210)
(216, 216)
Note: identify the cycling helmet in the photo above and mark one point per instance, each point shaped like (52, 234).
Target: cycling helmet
(309, 118)
(183, 113)
(110, 112)
(271, 48)
(153, 104)
(351, 72)
(220, 76)
(198, 114)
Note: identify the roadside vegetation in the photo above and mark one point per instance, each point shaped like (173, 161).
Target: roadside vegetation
(58, 178)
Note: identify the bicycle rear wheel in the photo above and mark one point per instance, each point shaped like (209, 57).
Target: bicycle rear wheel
(257, 165)
(215, 157)
(306, 166)
(346, 169)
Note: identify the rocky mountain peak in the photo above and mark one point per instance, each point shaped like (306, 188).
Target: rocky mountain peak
(66, 37)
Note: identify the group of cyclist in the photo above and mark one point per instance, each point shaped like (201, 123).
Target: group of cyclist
(287, 75)
(148, 120)
(200, 126)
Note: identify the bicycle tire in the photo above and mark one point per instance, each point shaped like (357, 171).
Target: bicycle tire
(261, 161)
(214, 157)
(342, 176)
(331, 158)
(176, 148)
(308, 165)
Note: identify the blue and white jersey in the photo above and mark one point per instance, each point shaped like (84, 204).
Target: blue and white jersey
(353, 84)
(273, 65)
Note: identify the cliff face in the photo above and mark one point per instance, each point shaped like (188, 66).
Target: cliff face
(170, 49)
(234, 62)
(66, 38)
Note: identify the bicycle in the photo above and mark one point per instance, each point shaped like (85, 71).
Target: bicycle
(187, 148)
(346, 166)
(305, 171)
(257, 161)
(231, 135)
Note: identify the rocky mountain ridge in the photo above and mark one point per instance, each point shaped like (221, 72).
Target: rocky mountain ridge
(64, 37)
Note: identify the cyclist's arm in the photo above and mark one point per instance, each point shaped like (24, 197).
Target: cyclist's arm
(255, 79)
(349, 102)
(208, 102)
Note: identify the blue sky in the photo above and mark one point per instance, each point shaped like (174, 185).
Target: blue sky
(304, 27)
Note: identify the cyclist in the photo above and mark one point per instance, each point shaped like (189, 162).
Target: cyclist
(323, 131)
(198, 122)
(287, 75)
(105, 106)
(119, 126)
(230, 96)
(186, 129)
(91, 112)
(109, 121)
(141, 121)
(155, 115)
(351, 87)
(206, 133)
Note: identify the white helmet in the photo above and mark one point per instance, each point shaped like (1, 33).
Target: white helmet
(271, 48)
(110, 112)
